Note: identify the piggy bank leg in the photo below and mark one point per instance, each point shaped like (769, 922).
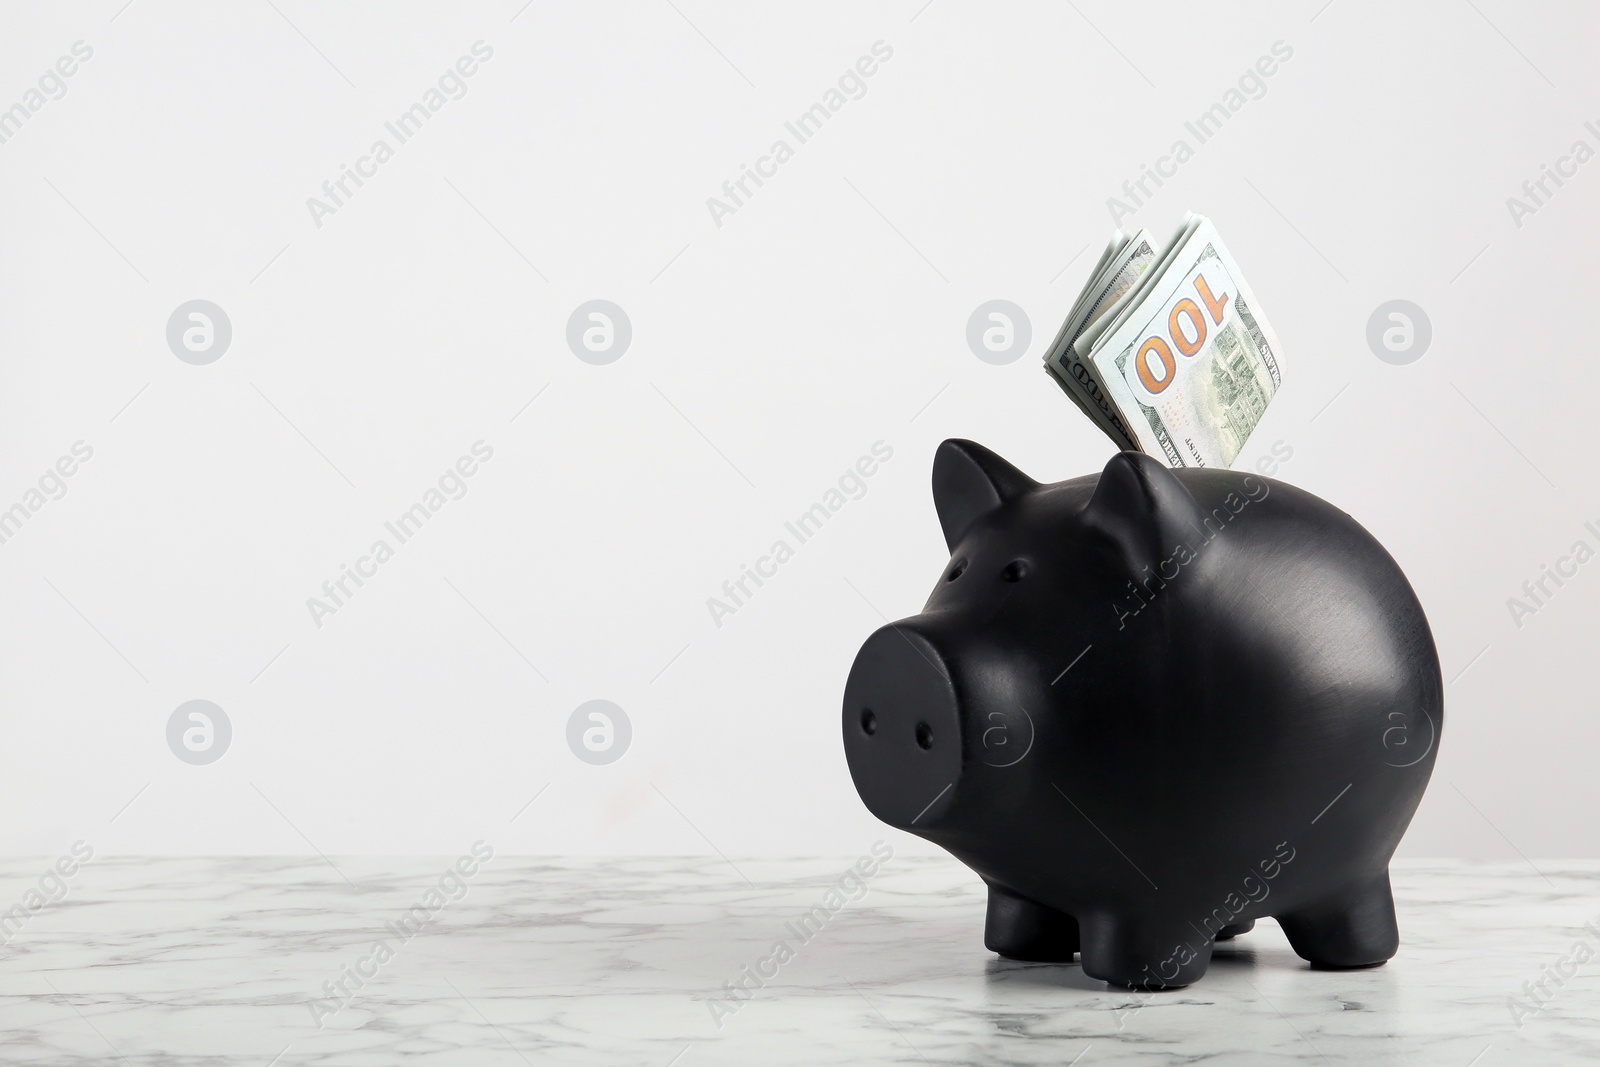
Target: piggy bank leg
(1228, 933)
(1142, 952)
(1020, 929)
(1351, 928)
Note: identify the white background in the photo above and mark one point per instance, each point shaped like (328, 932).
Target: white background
(768, 354)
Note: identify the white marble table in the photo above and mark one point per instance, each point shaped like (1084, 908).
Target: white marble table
(223, 961)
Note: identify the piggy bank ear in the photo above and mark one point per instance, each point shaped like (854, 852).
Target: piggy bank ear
(1143, 507)
(970, 481)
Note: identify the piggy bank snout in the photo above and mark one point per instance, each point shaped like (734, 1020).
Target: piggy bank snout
(902, 727)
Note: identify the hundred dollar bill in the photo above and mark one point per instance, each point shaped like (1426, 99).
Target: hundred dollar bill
(1118, 240)
(1191, 363)
(1113, 247)
(1117, 276)
(1167, 351)
(1113, 315)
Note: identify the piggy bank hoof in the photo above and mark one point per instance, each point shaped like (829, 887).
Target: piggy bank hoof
(1142, 952)
(1228, 933)
(1020, 929)
(1349, 929)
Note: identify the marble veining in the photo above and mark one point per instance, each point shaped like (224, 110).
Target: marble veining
(191, 961)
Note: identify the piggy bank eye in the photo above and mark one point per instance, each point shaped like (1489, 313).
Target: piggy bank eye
(956, 571)
(1015, 571)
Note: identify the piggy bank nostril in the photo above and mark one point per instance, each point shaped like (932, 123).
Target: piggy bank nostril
(956, 571)
(1015, 571)
(901, 693)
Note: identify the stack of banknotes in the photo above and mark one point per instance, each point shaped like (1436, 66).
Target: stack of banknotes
(1167, 350)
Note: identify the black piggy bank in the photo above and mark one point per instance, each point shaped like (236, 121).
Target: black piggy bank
(1151, 707)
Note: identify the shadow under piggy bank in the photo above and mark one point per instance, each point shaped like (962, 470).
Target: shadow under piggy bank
(1150, 707)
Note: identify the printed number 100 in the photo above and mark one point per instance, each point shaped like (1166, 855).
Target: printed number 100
(1158, 348)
